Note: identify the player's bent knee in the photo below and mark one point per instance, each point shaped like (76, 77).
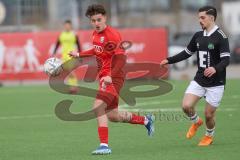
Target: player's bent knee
(186, 106)
(209, 115)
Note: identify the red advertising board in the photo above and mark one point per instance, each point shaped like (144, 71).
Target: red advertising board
(22, 55)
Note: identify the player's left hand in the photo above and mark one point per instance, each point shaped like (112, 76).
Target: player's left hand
(74, 54)
(208, 72)
(106, 81)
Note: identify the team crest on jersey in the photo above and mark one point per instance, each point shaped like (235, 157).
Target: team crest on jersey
(101, 39)
(210, 46)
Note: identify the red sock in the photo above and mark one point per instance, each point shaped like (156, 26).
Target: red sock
(103, 134)
(137, 119)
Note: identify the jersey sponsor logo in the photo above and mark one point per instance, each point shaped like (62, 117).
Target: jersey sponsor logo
(110, 46)
(98, 49)
(210, 46)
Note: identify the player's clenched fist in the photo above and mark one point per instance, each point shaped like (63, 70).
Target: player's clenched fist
(106, 81)
(208, 72)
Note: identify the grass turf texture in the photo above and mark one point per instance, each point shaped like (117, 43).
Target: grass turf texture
(30, 130)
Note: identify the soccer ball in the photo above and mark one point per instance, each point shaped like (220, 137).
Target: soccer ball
(53, 66)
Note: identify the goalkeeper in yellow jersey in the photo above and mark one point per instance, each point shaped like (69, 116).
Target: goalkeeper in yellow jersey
(68, 40)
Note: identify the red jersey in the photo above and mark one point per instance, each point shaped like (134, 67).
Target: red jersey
(104, 57)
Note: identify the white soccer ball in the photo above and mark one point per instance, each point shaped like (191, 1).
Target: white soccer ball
(52, 66)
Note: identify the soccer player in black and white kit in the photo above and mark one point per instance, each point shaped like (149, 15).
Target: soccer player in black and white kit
(213, 56)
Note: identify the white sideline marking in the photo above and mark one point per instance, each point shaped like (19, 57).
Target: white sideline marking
(149, 103)
(164, 102)
(234, 96)
(169, 110)
(126, 107)
(26, 117)
(121, 109)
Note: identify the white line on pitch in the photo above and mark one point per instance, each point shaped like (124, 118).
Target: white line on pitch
(168, 110)
(150, 103)
(27, 116)
(127, 108)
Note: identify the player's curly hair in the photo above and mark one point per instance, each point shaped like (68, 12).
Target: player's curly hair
(95, 9)
(210, 10)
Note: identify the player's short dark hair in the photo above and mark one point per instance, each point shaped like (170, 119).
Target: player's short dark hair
(68, 21)
(210, 10)
(95, 9)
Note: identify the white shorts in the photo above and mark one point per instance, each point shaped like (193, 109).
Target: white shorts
(213, 95)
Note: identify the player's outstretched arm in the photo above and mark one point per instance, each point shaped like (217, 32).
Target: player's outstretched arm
(188, 52)
(178, 57)
(76, 54)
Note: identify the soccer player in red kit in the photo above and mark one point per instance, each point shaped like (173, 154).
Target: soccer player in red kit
(111, 60)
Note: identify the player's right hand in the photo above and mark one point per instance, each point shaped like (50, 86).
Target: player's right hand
(74, 54)
(164, 63)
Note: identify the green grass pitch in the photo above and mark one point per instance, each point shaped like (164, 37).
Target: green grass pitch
(30, 130)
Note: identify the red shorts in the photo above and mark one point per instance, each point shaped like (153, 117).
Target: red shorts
(110, 94)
